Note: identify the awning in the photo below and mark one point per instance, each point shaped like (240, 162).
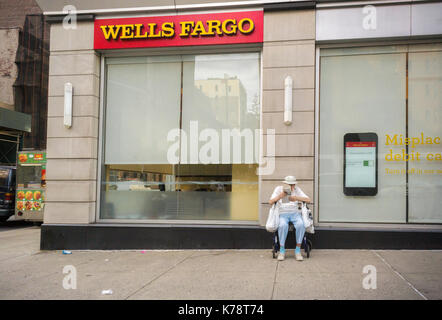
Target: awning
(13, 120)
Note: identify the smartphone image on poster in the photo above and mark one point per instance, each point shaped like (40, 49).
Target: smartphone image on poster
(360, 164)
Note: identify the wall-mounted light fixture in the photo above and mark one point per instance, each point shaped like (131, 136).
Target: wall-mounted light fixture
(288, 87)
(67, 105)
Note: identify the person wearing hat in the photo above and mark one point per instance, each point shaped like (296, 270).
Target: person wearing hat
(289, 200)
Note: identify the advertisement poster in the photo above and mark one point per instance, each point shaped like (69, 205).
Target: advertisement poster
(29, 200)
(31, 157)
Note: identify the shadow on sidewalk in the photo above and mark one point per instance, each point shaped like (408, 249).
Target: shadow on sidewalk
(17, 224)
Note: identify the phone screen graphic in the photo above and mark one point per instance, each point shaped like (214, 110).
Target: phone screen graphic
(360, 164)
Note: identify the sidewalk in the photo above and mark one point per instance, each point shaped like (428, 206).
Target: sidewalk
(28, 273)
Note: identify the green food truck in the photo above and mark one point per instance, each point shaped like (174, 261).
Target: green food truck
(31, 185)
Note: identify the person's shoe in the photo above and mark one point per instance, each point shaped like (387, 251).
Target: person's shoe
(281, 256)
(298, 257)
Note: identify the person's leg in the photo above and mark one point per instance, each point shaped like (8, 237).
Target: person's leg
(300, 231)
(283, 230)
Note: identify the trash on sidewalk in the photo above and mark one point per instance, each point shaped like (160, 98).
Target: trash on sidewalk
(67, 252)
(107, 292)
(143, 251)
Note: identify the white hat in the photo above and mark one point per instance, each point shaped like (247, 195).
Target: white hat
(290, 180)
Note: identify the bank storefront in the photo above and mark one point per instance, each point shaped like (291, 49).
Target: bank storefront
(183, 124)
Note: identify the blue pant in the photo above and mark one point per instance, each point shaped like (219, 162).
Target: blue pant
(283, 229)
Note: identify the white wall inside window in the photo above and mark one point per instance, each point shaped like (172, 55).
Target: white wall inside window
(425, 117)
(361, 90)
(142, 106)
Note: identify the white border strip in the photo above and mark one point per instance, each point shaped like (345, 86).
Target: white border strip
(177, 7)
(261, 146)
(170, 13)
(317, 132)
(100, 138)
(231, 4)
(364, 3)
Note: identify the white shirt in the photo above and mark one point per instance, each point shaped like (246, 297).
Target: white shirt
(287, 206)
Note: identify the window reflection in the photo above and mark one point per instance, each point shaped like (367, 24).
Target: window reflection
(216, 92)
(214, 192)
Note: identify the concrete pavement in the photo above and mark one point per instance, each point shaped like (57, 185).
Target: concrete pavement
(28, 273)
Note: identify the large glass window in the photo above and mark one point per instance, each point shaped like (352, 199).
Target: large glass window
(395, 92)
(425, 123)
(180, 138)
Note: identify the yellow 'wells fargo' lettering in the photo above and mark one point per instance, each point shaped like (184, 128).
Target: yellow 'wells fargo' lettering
(111, 32)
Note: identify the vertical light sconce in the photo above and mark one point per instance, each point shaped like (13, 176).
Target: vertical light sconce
(67, 105)
(288, 91)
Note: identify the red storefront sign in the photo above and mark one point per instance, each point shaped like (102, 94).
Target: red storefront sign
(181, 30)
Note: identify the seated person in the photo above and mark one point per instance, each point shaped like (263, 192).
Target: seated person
(290, 211)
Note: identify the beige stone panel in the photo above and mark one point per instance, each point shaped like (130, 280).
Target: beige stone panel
(81, 106)
(302, 122)
(290, 145)
(81, 85)
(300, 167)
(267, 188)
(81, 127)
(84, 63)
(293, 55)
(289, 25)
(71, 169)
(288, 43)
(70, 190)
(303, 78)
(81, 38)
(72, 148)
(69, 212)
(302, 100)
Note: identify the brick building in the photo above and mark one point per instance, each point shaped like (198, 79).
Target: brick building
(24, 66)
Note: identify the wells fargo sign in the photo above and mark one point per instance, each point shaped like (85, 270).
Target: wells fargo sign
(181, 30)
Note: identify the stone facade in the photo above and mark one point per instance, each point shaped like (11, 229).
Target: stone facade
(72, 153)
(289, 50)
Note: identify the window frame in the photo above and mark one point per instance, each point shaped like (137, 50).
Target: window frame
(248, 48)
(371, 226)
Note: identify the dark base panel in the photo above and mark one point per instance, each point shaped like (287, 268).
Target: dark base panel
(101, 237)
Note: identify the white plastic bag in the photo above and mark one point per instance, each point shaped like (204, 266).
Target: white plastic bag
(307, 218)
(273, 219)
